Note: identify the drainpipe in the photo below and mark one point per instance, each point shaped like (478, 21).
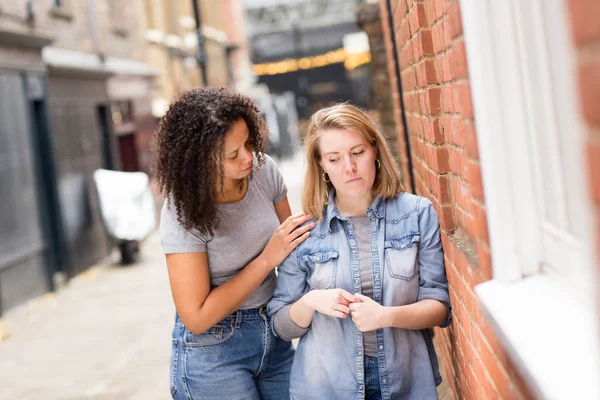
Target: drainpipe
(399, 89)
(201, 56)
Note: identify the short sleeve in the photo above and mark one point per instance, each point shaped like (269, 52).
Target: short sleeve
(174, 237)
(274, 180)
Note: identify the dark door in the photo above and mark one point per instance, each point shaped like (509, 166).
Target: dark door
(24, 269)
(79, 151)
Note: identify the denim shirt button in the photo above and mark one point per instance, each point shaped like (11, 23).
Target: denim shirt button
(353, 251)
(356, 281)
(380, 347)
(374, 245)
(376, 276)
(360, 387)
(360, 352)
(384, 380)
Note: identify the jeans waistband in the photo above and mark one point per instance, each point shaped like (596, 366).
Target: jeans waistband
(238, 316)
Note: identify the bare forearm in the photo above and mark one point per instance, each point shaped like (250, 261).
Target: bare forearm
(228, 297)
(301, 312)
(423, 314)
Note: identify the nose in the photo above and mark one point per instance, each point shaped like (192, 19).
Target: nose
(350, 165)
(246, 155)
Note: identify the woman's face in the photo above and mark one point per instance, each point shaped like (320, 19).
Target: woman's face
(349, 160)
(238, 160)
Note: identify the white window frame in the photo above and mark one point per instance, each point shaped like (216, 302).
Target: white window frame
(545, 317)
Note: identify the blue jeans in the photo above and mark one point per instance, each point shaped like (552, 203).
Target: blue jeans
(372, 385)
(238, 358)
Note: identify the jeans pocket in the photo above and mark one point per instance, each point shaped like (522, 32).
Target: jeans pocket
(323, 266)
(401, 257)
(173, 367)
(217, 334)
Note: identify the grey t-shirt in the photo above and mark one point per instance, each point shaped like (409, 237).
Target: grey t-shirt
(244, 230)
(362, 231)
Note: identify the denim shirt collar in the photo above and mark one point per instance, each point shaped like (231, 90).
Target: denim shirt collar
(376, 208)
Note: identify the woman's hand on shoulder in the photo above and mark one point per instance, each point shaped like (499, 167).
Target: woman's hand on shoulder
(286, 238)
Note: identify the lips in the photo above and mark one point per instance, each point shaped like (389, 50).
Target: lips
(353, 180)
(248, 168)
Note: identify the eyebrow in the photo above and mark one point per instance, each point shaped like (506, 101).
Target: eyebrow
(233, 151)
(337, 152)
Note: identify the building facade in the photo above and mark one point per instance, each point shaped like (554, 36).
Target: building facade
(496, 121)
(70, 71)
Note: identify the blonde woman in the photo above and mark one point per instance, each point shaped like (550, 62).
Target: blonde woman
(363, 292)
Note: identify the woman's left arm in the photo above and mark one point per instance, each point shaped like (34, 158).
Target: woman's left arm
(432, 307)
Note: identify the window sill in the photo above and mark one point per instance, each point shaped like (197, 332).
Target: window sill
(61, 12)
(551, 338)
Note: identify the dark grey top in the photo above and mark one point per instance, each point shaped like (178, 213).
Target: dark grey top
(244, 230)
(361, 227)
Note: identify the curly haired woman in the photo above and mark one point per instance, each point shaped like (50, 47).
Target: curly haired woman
(225, 226)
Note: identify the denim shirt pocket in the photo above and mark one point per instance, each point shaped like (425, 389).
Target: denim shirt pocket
(323, 267)
(217, 334)
(401, 256)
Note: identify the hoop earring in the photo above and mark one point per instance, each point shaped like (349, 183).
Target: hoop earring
(378, 163)
(325, 175)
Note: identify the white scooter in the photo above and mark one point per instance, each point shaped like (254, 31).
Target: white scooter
(127, 208)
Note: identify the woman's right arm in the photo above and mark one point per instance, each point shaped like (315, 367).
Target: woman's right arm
(198, 306)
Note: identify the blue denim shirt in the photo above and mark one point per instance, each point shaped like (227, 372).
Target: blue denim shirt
(408, 266)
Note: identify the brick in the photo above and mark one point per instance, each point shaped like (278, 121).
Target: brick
(432, 130)
(453, 130)
(437, 36)
(480, 218)
(462, 100)
(471, 140)
(589, 88)
(460, 193)
(475, 181)
(584, 22)
(426, 41)
(446, 218)
(454, 21)
(447, 67)
(455, 160)
(485, 261)
(434, 101)
(430, 73)
(447, 99)
(459, 60)
(421, 15)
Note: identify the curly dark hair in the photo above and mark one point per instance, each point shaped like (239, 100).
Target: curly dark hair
(188, 150)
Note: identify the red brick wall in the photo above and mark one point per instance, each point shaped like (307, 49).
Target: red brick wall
(586, 34)
(439, 115)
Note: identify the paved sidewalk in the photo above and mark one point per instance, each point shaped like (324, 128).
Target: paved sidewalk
(106, 335)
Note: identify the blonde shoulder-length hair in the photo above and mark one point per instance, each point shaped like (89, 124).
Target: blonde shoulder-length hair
(345, 116)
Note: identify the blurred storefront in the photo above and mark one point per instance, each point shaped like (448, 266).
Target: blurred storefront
(309, 47)
(65, 67)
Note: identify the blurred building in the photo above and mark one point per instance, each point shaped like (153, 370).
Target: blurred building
(497, 122)
(311, 48)
(172, 47)
(68, 69)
